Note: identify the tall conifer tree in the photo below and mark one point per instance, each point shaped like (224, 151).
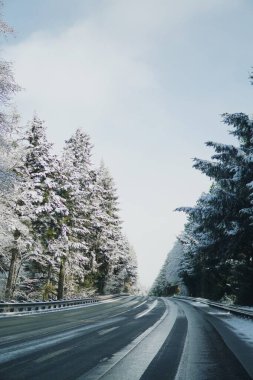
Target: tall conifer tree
(49, 207)
(218, 236)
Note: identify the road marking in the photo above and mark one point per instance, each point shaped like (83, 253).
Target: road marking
(150, 307)
(106, 331)
(140, 304)
(123, 312)
(52, 355)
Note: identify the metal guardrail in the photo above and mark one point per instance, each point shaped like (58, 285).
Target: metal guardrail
(239, 311)
(10, 307)
(23, 307)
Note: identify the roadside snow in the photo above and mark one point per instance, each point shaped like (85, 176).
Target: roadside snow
(198, 304)
(249, 308)
(242, 327)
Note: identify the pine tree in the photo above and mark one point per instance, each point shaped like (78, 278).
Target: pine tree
(122, 275)
(218, 235)
(8, 87)
(17, 216)
(161, 284)
(131, 265)
(168, 281)
(50, 211)
(107, 228)
(78, 193)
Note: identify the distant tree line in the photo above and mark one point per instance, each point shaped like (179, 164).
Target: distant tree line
(61, 233)
(168, 281)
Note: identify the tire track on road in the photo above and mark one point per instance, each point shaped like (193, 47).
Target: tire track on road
(165, 364)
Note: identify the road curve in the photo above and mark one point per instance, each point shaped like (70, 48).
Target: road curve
(130, 338)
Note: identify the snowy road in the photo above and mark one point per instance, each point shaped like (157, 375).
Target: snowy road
(129, 339)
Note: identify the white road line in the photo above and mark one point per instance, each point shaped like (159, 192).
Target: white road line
(46, 357)
(150, 307)
(140, 304)
(123, 312)
(106, 331)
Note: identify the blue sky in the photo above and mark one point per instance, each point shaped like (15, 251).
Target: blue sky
(148, 80)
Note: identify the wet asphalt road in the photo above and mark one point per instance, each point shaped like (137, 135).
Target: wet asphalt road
(128, 339)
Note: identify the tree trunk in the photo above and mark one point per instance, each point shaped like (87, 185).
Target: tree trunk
(49, 273)
(12, 278)
(61, 280)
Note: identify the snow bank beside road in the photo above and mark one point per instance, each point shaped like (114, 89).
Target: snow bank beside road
(242, 327)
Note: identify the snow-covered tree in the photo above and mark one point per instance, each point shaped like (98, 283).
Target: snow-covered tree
(168, 281)
(78, 188)
(63, 231)
(16, 240)
(131, 266)
(59, 222)
(50, 212)
(107, 230)
(122, 275)
(8, 87)
(218, 235)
